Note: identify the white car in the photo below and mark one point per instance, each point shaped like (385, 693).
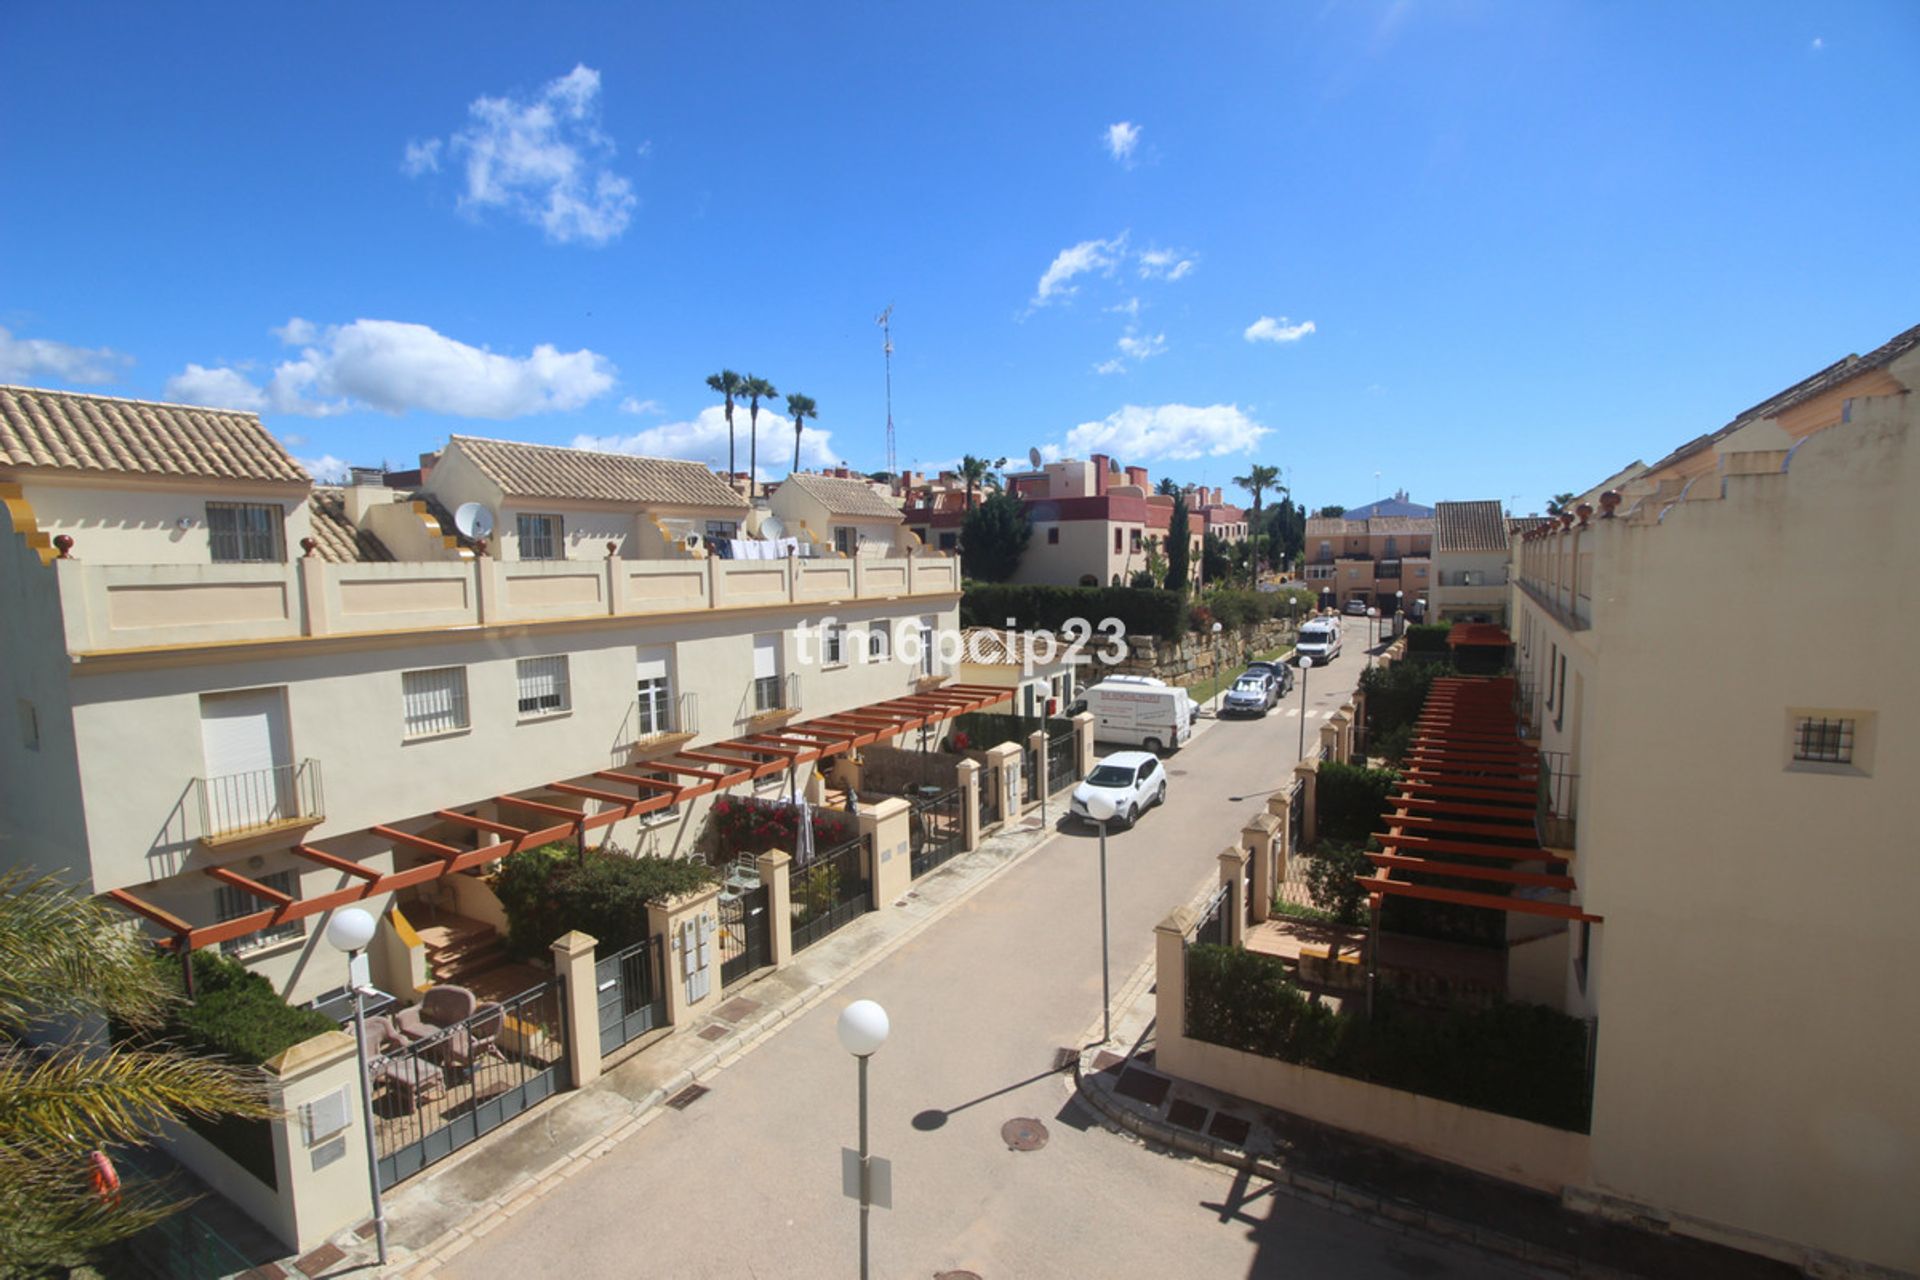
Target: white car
(1132, 781)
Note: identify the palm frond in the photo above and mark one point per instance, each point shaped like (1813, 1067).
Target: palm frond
(75, 1096)
(63, 956)
(50, 1215)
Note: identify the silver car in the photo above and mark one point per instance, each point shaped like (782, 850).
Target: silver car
(1253, 694)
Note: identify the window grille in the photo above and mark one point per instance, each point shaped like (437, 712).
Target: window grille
(244, 532)
(879, 639)
(542, 683)
(434, 700)
(233, 902)
(654, 713)
(833, 647)
(766, 693)
(1824, 741)
(722, 530)
(541, 538)
(1053, 536)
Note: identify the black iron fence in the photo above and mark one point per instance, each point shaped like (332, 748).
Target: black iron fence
(1555, 811)
(437, 1095)
(1029, 773)
(828, 892)
(631, 995)
(989, 798)
(1063, 762)
(937, 829)
(745, 925)
(1211, 928)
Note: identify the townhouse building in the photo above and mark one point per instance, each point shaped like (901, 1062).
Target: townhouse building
(1384, 560)
(1720, 685)
(240, 699)
(1471, 547)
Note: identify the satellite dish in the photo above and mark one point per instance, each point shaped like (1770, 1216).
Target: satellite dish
(1033, 456)
(772, 528)
(1113, 465)
(473, 520)
(691, 542)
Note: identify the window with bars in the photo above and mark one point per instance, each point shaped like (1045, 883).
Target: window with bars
(833, 645)
(659, 817)
(542, 685)
(231, 903)
(879, 640)
(244, 532)
(766, 693)
(1822, 740)
(542, 537)
(434, 700)
(845, 540)
(722, 530)
(654, 710)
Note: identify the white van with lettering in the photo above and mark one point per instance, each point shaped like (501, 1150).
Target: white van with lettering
(1155, 715)
(1319, 640)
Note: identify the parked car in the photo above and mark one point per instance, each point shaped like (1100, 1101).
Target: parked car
(1356, 608)
(1142, 712)
(1319, 640)
(1133, 781)
(1281, 672)
(1252, 694)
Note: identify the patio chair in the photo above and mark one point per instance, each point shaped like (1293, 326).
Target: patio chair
(441, 1007)
(473, 1040)
(410, 1076)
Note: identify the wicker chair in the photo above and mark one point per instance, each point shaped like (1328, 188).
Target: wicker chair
(473, 1040)
(410, 1076)
(441, 1007)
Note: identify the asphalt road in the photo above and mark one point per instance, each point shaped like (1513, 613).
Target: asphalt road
(746, 1181)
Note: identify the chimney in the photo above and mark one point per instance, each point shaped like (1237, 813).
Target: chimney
(1138, 475)
(1101, 466)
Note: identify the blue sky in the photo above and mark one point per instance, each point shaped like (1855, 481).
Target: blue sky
(1483, 249)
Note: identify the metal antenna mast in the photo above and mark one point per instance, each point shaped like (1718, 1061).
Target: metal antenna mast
(885, 321)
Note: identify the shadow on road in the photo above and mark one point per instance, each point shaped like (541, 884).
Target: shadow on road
(933, 1118)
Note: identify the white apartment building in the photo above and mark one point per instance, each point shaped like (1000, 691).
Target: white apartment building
(240, 700)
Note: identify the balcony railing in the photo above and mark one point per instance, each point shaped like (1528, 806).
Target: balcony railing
(1387, 569)
(239, 804)
(1559, 793)
(775, 693)
(649, 719)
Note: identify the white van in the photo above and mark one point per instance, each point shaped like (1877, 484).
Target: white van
(1319, 640)
(1156, 715)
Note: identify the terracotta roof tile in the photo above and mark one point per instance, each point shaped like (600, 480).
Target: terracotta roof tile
(844, 497)
(68, 431)
(1469, 526)
(336, 538)
(548, 471)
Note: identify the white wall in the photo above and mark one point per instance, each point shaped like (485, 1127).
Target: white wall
(131, 523)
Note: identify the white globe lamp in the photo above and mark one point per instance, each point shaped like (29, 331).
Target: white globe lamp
(1100, 808)
(863, 1028)
(351, 929)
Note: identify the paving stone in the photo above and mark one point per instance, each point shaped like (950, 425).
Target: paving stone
(715, 1032)
(1230, 1129)
(320, 1259)
(1188, 1115)
(1143, 1086)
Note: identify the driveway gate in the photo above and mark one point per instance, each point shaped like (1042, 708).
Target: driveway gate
(1029, 774)
(1063, 762)
(632, 999)
(745, 929)
(437, 1095)
(828, 892)
(936, 830)
(989, 800)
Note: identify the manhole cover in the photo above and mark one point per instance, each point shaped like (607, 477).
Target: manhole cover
(1024, 1134)
(956, 1275)
(687, 1096)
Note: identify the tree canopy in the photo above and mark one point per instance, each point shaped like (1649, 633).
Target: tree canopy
(1179, 548)
(994, 537)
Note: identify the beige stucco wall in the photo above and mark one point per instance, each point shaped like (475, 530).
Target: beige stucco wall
(1085, 547)
(1754, 1056)
(138, 523)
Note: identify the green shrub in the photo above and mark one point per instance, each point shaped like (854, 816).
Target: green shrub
(1048, 608)
(1520, 1060)
(745, 826)
(1396, 693)
(236, 1013)
(1428, 637)
(818, 891)
(1349, 801)
(550, 890)
(1392, 745)
(1331, 868)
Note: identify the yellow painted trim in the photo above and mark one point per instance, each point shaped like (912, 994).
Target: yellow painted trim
(21, 519)
(403, 929)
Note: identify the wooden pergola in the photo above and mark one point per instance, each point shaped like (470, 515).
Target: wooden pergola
(620, 794)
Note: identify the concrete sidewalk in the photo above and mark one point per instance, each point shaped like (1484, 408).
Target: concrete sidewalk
(435, 1215)
(1393, 1189)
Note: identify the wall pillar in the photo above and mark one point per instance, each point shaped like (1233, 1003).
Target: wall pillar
(1233, 864)
(1346, 731)
(1330, 739)
(776, 873)
(887, 856)
(1280, 809)
(1309, 772)
(313, 596)
(1259, 838)
(1003, 773)
(968, 771)
(573, 962)
(1170, 978)
(688, 924)
(1083, 741)
(489, 588)
(1037, 741)
(1359, 721)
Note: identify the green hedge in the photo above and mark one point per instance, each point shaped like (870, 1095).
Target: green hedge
(1235, 607)
(1150, 612)
(1520, 1060)
(1349, 801)
(550, 890)
(1331, 870)
(236, 1013)
(1428, 637)
(1396, 693)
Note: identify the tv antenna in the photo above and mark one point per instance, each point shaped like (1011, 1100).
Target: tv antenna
(885, 321)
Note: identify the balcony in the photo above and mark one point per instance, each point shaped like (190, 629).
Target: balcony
(1559, 789)
(773, 698)
(1387, 570)
(661, 727)
(245, 806)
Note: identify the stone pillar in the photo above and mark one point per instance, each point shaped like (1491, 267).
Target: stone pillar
(1330, 739)
(688, 923)
(1280, 809)
(1170, 983)
(1037, 740)
(968, 771)
(490, 584)
(890, 871)
(1233, 864)
(313, 596)
(776, 873)
(1309, 772)
(1083, 741)
(1259, 838)
(1359, 721)
(1346, 731)
(573, 962)
(1003, 772)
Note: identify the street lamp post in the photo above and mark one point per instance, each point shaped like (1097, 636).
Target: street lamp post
(1306, 665)
(1373, 633)
(1100, 809)
(863, 1028)
(350, 930)
(1217, 686)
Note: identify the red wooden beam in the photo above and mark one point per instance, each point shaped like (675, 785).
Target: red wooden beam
(541, 806)
(1470, 828)
(478, 823)
(421, 843)
(166, 920)
(227, 875)
(1448, 804)
(1488, 901)
(325, 859)
(686, 770)
(592, 793)
(655, 784)
(1504, 875)
(1464, 848)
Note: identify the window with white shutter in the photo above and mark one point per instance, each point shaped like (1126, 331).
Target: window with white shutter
(542, 683)
(653, 708)
(231, 903)
(434, 701)
(766, 673)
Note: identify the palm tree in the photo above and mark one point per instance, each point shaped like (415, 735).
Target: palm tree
(68, 960)
(974, 471)
(756, 390)
(1257, 481)
(1167, 488)
(800, 407)
(1559, 503)
(729, 384)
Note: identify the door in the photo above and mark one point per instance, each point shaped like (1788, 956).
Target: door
(248, 779)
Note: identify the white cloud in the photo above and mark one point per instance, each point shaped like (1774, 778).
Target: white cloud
(24, 358)
(634, 404)
(395, 367)
(1121, 140)
(327, 469)
(1089, 255)
(296, 332)
(1130, 309)
(1164, 264)
(543, 159)
(1176, 431)
(421, 157)
(1115, 365)
(219, 388)
(705, 440)
(1142, 348)
(1268, 329)
(292, 439)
